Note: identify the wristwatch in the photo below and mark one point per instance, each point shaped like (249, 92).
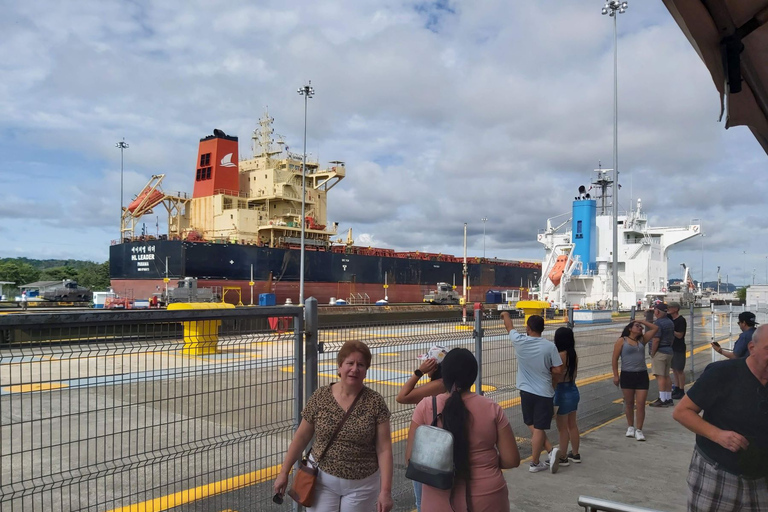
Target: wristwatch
(418, 373)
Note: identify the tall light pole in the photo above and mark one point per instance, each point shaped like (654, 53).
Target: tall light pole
(702, 261)
(613, 8)
(122, 146)
(484, 219)
(307, 91)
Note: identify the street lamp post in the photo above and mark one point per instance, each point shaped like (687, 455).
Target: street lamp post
(307, 91)
(613, 8)
(484, 219)
(122, 146)
(702, 261)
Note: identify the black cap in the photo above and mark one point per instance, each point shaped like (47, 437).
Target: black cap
(661, 307)
(748, 318)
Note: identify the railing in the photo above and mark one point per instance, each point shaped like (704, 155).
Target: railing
(105, 410)
(596, 504)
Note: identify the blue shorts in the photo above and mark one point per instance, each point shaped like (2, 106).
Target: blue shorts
(566, 398)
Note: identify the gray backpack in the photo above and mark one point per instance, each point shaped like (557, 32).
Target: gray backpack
(432, 455)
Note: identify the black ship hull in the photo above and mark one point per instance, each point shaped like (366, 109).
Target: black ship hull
(138, 269)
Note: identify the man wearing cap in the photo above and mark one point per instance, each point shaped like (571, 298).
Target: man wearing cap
(678, 350)
(661, 355)
(740, 348)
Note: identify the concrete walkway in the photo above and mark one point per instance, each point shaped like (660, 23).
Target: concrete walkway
(649, 474)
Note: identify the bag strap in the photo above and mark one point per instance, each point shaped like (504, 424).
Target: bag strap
(341, 424)
(434, 410)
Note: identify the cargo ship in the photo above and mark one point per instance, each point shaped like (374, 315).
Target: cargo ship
(578, 253)
(240, 233)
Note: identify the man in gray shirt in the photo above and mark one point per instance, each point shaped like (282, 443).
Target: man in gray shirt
(537, 361)
(661, 355)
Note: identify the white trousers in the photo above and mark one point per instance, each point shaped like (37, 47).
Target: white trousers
(333, 494)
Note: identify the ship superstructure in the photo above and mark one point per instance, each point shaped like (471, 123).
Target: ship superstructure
(577, 269)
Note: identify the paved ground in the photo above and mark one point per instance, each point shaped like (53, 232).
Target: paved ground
(616, 468)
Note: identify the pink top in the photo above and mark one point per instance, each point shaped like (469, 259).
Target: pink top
(487, 484)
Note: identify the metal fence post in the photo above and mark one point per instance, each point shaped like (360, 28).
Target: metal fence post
(298, 368)
(571, 323)
(712, 321)
(310, 317)
(693, 344)
(632, 312)
(478, 334)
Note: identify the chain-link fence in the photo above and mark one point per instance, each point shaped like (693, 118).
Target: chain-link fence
(123, 411)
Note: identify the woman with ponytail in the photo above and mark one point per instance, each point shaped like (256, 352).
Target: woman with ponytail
(567, 397)
(483, 441)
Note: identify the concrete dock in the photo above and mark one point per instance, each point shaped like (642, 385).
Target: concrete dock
(649, 474)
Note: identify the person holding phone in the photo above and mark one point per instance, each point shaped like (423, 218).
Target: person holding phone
(630, 347)
(747, 325)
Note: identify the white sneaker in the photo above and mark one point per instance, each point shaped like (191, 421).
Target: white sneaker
(639, 435)
(535, 468)
(630, 432)
(554, 460)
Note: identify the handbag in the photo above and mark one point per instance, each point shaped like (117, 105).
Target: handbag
(431, 460)
(303, 489)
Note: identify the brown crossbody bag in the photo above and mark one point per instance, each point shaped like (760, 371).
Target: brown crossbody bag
(303, 489)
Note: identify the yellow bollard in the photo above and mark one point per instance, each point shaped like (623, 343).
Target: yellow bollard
(533, 307)
(200, 336)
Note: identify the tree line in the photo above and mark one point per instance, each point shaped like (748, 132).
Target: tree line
(23, 271)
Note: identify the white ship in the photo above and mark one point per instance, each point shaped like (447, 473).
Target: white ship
(577, 269)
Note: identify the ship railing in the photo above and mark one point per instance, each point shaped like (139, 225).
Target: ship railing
(357, 298)
(229, 192)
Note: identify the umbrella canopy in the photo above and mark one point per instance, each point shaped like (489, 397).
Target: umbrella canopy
(731, 37)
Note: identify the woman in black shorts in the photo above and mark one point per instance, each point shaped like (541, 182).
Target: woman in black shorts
(634, 372)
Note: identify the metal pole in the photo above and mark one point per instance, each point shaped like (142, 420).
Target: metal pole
(479, 350)
(485, 219)
(615, 283)
(712, 336)
(307, 91)
(310, 309)
(122, 145)
(464, 290)
(693, 345)
(298, 379)
(702, 264)
(251, 284)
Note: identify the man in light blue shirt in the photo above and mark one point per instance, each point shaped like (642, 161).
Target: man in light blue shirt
(537, 361)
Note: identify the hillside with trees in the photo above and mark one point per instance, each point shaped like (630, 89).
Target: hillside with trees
(25, 270)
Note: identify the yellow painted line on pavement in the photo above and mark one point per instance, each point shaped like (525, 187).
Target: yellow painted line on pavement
(37, 386)
(391, 354)
(201, 492)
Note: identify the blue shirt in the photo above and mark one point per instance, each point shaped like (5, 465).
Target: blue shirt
(741, 347)
(535, 358)
(666, 335)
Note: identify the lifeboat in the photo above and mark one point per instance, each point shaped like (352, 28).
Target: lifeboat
(146, 200)
(556, 274)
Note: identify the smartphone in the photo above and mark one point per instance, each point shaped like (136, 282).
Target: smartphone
(716, 344)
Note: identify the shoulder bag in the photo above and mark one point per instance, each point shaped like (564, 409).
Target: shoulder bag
(303, 489)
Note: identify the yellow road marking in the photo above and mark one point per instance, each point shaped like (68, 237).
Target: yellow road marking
(203, 491)
(392, 354)
(37, 386)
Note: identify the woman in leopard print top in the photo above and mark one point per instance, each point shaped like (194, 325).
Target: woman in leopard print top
(356, 470)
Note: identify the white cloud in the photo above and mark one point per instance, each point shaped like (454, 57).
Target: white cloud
(443, 112)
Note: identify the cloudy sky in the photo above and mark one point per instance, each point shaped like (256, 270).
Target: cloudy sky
(445, 112)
